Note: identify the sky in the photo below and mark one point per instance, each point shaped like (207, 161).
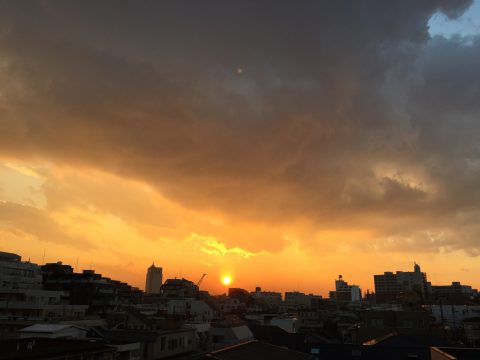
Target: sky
(279, 142)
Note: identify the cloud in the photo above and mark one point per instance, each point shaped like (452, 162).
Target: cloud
(345, 113)
(211, 246)
(21, 220)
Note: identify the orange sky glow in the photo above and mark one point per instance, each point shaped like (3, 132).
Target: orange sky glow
(119, 227)
(280, 149)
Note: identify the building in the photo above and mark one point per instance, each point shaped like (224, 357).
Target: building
(297, 299)
(456, 293)
(159, 344)
(24, 300)
(454, 353)
(160, 336)
(228, 305)
(53, 331)
(270, 298)
(345, 292)
(288, 323)
(453, 315)
(227, 333)
(408, 286)
(471, 327)
(48, 349)
(190, 309)
(154, 280)
(179, 288)
(99, 293)
(241, 294)
(396, 320)
(254, 350)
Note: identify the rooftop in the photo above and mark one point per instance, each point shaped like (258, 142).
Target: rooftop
(43, 348)
(458, 353)
(253, 350)
(46, 328)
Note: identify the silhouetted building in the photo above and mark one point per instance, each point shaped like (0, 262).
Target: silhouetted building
(229, 332)
(297, 299)
(154, 280)
(456, 293)
(24, 300)
(160, 336)
(48, 349)
(241, 295)
(454, 353)
(158, 344)
(270, 298)
(471, 327)
(345, 292)
(396, 320)
(53, 331)
(254, 350)
(101, 294)
(402, 286)
(453, 315)
(179, 288)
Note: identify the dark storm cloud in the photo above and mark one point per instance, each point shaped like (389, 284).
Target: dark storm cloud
(343, 111)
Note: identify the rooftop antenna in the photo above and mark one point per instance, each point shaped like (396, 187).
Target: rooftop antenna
(43, 260)
(76, 266)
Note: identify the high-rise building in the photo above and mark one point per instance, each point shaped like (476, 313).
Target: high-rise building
(154, 280)
(391, 287)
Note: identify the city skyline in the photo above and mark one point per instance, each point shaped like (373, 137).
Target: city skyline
(278, 145)
(152, 287)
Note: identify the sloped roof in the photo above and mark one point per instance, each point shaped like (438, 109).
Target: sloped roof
(253, 350)
(48, 328)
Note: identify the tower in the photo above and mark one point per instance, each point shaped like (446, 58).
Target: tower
(154, 280)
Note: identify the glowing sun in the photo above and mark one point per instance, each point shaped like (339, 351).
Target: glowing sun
(226, 280)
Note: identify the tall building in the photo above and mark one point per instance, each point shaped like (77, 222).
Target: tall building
(391, 287)
(345, 292)
(154, 280)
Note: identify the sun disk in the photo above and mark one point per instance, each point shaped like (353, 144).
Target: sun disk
(226, 280)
